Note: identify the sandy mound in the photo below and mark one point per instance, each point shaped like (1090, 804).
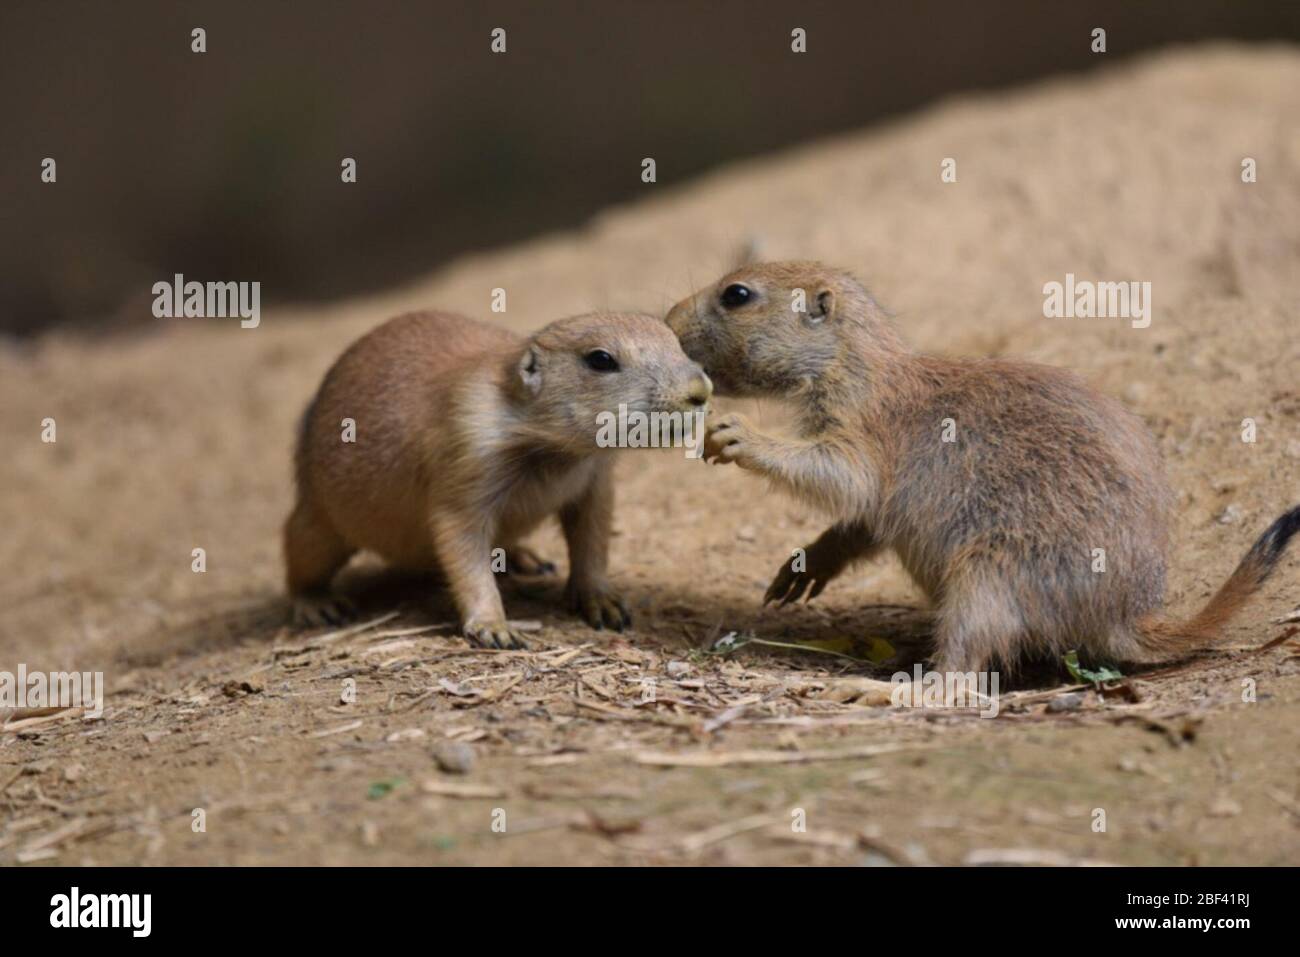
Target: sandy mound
(179, 437)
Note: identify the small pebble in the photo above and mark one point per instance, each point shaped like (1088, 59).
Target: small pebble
(1065, 702)
(454, 757)
(369, 833)
(1224, 806)
(407, 734)
(1230, 515)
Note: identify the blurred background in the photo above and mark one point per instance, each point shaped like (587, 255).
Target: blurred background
(226, 165)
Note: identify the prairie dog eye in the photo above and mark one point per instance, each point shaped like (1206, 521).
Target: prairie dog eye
(736, 295)
(598, 360)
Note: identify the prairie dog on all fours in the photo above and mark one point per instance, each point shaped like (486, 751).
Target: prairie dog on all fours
(466, 438)
(996, 482)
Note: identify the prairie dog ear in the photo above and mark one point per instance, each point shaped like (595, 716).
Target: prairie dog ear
(822, 308)
(530, 370)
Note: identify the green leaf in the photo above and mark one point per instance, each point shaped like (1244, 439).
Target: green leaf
(384, 788)
(1087, 676)
(731, 641)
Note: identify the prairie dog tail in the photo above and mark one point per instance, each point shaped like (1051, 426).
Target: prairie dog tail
(1160, 637)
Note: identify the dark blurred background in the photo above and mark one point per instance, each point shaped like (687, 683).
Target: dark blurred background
(225, 165)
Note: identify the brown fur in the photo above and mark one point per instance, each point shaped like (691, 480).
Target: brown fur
(467, 437)
(998, 526)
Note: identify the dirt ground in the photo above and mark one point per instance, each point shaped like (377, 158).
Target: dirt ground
(176, 435)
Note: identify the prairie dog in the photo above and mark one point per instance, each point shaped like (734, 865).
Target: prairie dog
(466, 438)
(994, 481)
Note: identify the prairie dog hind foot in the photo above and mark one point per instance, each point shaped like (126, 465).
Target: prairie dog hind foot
(321, 610)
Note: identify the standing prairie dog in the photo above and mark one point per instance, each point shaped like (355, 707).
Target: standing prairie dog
(995, 482)
(466, 438)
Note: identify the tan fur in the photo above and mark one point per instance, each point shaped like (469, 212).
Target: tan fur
(467, 438)
(999, 526)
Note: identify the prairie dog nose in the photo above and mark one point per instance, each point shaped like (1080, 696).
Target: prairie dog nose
(699, 390)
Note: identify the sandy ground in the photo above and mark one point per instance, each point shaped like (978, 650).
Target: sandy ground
(177, 436)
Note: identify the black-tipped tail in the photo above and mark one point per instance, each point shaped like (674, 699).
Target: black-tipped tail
(1161, 637)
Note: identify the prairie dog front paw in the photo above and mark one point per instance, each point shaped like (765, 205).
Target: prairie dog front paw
(730, 438)
(600, 607)
(493, 634)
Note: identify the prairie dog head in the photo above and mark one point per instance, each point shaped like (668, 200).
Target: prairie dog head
(771, 329)
(574, 369)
